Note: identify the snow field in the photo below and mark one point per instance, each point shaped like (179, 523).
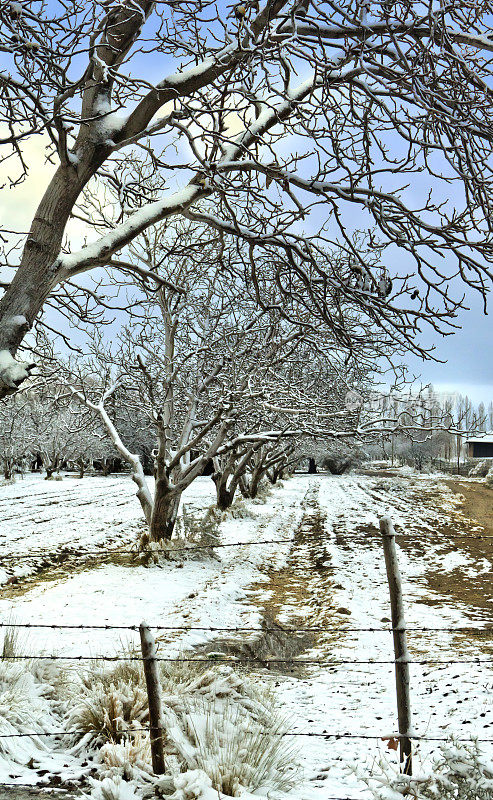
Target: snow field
(339, 698)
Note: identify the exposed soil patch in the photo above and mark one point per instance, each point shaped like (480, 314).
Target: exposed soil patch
(300, 595)
(56, 566)
(448, 538)
(472, 585)
(477, 505)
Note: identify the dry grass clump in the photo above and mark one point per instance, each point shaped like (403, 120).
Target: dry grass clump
(178, 675)
(237, 752)
(215, 720)
(110, 703)
(11, 642)
(110, 711)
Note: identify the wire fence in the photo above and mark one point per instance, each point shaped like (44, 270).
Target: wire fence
(284, 734)
(170, 551)
(247, 629)
(246, 660)
(292, 663)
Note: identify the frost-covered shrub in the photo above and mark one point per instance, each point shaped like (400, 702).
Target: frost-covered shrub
(23, 709)
(489, 478)
(126, 759)
(112, 789)
(194, 536)
(239, 509)
(459, 772)
(187, 786)
(237, 752)
(263, 493)
(200, 530)
(110, 704)
(480, 470)
(224, 725)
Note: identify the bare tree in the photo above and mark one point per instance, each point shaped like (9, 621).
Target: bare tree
(16, 435)
(196, 362)
(388, 93)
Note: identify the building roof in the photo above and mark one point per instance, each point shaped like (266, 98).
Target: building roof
(487, 438)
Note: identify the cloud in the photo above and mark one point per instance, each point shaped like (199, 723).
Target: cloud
(18, 204)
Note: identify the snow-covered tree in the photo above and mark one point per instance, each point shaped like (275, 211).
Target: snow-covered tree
(16, 435)
(260, 121)
(196, 362)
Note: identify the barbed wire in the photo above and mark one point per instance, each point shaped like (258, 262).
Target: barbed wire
(245, 629)
(211, 546)
(244, 660)
(307, 734)
(145, 553)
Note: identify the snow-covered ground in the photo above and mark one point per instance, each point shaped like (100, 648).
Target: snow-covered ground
(332, 577)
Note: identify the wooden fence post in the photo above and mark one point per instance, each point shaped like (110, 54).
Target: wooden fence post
(154, 696)
(400, 644)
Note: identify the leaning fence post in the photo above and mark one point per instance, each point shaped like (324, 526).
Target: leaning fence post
(400, 644)
(154, 696)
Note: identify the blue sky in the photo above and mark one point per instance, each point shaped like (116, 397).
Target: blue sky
(468, 366)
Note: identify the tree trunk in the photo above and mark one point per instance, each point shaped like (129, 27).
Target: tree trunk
(50, 468)
(255, 482)
(82, 467)
(37, 275)
(7, 469)
(164, 512)
(224, 495)
(312, 466)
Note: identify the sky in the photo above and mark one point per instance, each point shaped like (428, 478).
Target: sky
(467, 356)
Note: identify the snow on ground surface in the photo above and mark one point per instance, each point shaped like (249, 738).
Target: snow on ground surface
(332, 577)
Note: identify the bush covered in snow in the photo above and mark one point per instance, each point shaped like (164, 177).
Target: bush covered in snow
(263, 493)
(489, 478)
(459, 772)
(217, 723)
(24, 709)
(480, 470)
(225, 726)
(112, 789)
(110, 704)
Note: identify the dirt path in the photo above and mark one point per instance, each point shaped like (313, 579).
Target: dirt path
(477, 505)
(301, 594)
